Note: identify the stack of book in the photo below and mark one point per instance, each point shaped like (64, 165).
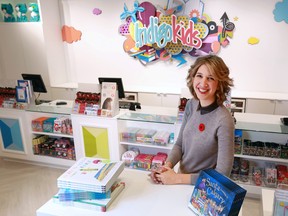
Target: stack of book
(90, 183)
(148, 56)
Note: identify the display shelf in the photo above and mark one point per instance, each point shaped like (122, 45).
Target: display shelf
(153, 118)
(268, 159)
(262, 127)
(167, 147)
(52, 134)
(151, 121)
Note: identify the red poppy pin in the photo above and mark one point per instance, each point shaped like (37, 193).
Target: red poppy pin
(201, 127)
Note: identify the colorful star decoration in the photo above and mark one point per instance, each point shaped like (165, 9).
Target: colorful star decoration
(201, 127)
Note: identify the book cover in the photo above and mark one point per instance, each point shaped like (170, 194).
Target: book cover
(280, 205)
(215, 194)
(28, 84)
(66, 194)
(22, 94)
(94, 204)
(109, 99)
(91, 174)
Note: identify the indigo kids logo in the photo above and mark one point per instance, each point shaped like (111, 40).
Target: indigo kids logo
(153, 33)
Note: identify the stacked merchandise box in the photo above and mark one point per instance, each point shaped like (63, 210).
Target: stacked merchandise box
(48, 125)
(145, 135)
(37, 124)
(161, 138)
(143, 161)
(63, 125)
(129, 135)
(215, 194)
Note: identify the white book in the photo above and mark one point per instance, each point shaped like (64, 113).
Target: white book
(91, 174)
(94, 204)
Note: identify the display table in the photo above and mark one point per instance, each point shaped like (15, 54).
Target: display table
(267, 201)
(140, 197)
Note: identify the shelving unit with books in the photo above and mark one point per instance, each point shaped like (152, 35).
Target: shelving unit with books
(262, 151)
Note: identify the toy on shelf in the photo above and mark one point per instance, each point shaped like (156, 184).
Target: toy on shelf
(7, 10)
(21, 10)
(34, 15)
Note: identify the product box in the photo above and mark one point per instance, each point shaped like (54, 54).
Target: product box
(37, 124)
(48, 125)
(159, 159)
(143, 161)
(215, 194)
(161, 138)
(129, 135)
(145, 135)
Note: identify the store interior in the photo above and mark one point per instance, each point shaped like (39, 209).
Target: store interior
(74, 45)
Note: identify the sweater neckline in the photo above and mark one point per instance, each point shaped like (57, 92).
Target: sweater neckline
(207, 109)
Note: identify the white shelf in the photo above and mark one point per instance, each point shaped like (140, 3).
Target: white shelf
(168, 147)
(268, 159)
(53, 134)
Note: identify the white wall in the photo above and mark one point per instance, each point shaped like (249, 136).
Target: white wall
(261, 67)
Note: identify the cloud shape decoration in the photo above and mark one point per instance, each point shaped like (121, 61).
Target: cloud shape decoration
(70, 34)
(280, 11)
(253, 40)
(97, 11)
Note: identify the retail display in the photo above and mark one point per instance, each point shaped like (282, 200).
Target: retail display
(91, 174)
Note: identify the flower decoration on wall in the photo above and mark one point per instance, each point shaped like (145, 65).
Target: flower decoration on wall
(171, 32)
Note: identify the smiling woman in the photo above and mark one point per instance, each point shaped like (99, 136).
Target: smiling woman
(206, 136)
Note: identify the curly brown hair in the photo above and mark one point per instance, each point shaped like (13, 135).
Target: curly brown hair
(218, 69)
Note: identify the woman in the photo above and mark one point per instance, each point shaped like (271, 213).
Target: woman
(206, 137)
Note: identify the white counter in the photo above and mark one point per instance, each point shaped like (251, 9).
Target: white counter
(140, 197)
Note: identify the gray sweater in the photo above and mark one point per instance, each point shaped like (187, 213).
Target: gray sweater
(204, 141)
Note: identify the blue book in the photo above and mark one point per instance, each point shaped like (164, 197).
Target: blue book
(94, 204)
(67, 194)
(215, 194)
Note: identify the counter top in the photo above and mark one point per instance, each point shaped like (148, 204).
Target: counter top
(140, 197)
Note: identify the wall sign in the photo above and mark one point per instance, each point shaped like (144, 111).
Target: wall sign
(166, 33)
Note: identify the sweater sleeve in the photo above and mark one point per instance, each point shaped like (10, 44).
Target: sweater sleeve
(225, 134)
(176, 153)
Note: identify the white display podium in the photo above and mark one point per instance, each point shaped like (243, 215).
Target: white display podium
(140, 197)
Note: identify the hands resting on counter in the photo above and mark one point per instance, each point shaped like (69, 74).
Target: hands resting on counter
(166, 175)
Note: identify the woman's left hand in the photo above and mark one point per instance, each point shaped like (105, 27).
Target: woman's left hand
(168, 177)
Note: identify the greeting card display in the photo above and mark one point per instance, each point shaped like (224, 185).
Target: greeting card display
(109, 99)
(215, 194)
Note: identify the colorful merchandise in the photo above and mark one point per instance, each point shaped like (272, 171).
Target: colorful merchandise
(215, 194)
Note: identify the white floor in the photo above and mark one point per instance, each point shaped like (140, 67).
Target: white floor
(25, 187)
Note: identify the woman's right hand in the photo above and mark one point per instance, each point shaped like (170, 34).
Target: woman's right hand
(156, 171)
